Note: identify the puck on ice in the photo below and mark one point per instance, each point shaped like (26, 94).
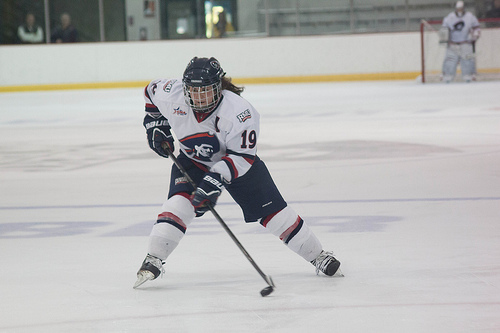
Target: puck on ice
(266, 291)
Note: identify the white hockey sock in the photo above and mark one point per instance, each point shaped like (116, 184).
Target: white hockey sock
(170, 226)
(294, 233)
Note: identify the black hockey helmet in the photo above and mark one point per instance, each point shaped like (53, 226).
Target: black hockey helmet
(203, 76)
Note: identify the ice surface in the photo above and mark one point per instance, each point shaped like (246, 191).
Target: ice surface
(400, 180)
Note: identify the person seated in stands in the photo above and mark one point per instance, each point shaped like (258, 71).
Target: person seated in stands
(30, 32)
(66, 33)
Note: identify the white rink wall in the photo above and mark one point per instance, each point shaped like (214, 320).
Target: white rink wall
(395, 55)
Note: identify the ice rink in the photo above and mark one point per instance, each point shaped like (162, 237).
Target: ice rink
(400, 180)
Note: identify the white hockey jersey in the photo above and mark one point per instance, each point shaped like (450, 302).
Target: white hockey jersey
(460, 27)
(225, 142)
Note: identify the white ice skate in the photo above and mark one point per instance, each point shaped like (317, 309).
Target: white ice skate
(326, 263)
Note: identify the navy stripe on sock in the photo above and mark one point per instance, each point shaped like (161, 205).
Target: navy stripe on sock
(172, 222)
(295, 231)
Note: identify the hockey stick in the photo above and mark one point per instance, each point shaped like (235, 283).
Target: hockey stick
(270, 288)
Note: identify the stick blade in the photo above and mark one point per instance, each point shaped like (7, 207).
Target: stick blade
(270, 288)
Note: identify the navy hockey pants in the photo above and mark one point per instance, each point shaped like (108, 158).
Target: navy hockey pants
(255, 192)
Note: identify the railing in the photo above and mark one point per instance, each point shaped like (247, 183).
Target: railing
(348, 17)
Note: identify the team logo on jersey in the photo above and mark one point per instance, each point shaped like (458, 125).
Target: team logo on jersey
(168, 86)
(154, 86)
(459, 26)
(201, 146)
(244, 116)
(179, 112)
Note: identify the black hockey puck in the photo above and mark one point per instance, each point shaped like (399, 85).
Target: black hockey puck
(266, 291)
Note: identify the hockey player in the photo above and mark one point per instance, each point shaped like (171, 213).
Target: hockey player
(217, 132)
(463, 32)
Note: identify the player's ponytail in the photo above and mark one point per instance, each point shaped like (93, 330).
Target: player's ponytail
(228, 85)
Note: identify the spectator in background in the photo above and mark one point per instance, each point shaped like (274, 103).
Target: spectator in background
(30, 33)
(66, 33)
(221, 25)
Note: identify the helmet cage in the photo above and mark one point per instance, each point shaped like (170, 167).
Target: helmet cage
(203, 99)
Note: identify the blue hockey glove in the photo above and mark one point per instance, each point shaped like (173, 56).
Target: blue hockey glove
(159, 137)
(207, 193)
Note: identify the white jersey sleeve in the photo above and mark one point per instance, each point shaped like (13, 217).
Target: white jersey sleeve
(149, 91)
(151, 94)
(238, 121)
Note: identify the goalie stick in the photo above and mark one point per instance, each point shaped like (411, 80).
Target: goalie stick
(267, 290)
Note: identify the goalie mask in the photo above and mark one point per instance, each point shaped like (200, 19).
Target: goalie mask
(459, 8)
(202, 83)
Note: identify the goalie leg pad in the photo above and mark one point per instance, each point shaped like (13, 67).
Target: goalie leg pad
(467, 61)
(450, 62)
(170, 226)
(294, 233)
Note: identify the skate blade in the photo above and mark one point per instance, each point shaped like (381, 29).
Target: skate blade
(142, 277)
(338, 273)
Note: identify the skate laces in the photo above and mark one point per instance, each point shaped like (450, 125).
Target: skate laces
(322, 261)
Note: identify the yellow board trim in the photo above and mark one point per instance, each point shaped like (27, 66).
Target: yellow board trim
(75, 86)
(252, 80)
(328, 78)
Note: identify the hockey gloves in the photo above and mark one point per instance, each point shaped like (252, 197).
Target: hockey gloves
(159, 137)
(207, 193)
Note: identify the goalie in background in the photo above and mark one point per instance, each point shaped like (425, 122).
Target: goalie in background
(462, 31)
